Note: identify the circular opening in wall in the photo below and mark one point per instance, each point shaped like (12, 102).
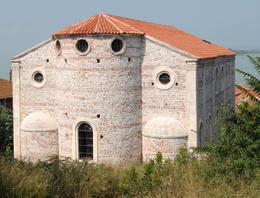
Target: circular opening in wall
(38, 77)
(164, 78)
(82, 45)
(117, 45)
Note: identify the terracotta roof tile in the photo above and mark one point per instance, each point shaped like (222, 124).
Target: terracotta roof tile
(109, 24)
(99, 24)
(241, 96)
(5, 89)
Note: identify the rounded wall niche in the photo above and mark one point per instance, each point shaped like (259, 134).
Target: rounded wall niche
(163, 134)
(39, 137)
(38, 77)
(164, 78)
(39, 122)
(117, 46)
(164, 128)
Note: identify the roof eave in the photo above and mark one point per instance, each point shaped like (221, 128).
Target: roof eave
(209, 57)
(97, 33)
(6, 98)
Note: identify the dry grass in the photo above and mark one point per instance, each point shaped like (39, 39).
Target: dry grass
(62, 178)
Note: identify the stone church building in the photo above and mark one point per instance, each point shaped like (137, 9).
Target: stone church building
(113, 89)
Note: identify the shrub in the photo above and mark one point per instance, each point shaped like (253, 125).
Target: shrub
(6, 129)
(238, 147)
(186, 177)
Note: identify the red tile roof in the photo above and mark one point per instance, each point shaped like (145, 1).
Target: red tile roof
(6, 89)
(241, 96)
(109, 24)
(250, 90)
(99, 24)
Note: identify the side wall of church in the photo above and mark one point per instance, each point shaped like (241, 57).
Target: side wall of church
(158, 102)
(34, 99)
(215, 88)
(106, 91)
(39, 99)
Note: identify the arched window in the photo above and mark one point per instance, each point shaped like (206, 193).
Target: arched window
(85, 141)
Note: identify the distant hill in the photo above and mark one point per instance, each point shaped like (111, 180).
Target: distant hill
(245, 51)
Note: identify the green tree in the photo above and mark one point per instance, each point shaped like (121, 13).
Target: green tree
(252, 81)
(6, 129)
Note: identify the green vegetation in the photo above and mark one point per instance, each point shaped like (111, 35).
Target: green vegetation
(187, 177)
(238, 149)
(228, 168)
(251, 80)
(6, 130)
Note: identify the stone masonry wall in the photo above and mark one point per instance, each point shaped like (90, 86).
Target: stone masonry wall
(168, 147)
(158, 102)
(118, 92)
(78, 86)
(38, 99)
(39, 145)
(162, 103)
(215, 88)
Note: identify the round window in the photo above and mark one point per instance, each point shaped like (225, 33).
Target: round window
(164, 78)
(82, 45)
(38, 77)
(117, 45)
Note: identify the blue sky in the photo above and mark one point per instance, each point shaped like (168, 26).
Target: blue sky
(228, 23)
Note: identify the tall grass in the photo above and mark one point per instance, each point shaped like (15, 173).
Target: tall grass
(186, 177)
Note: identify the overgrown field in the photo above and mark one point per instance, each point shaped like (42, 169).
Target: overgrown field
(186, 177)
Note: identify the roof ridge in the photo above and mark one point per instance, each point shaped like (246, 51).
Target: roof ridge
(125, 24)
(88, 20)
(114, 24)
(245, 87)
(144, 21)
(99, 22)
